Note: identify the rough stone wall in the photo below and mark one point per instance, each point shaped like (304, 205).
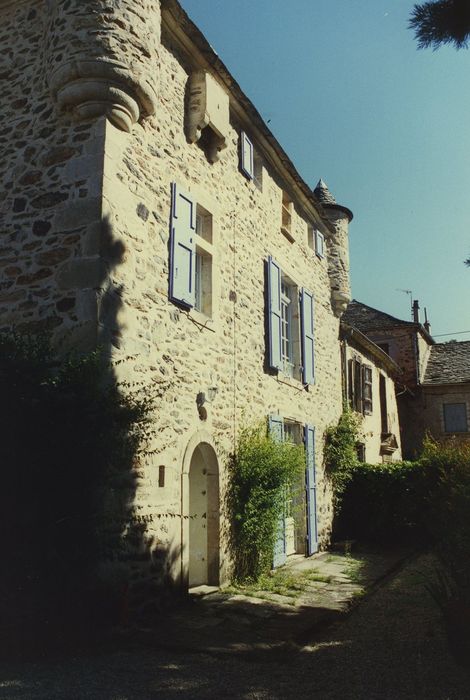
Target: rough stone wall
(432, 403)
(371, 424)
(102, 57)
(50, 176)
(84, 250)
(339, 260)
(424, 351)
(182, 351)
(402, 346)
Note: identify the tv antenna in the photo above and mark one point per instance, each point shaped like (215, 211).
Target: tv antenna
(410, 294)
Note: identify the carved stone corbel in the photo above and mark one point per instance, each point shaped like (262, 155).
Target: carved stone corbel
(103, 61)
(207, 114)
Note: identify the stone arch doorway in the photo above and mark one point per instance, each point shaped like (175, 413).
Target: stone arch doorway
(204, 519)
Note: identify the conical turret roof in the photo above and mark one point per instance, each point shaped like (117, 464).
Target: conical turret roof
(326, 199)
(323, 194)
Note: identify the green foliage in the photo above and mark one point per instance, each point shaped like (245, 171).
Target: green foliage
(423, 501)
(69, 444)
(386, 503)
(438, 22)
(449, 513)
(340, 454)
(262, 472)
(284, 582)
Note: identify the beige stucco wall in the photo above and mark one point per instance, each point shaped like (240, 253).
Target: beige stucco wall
(371, 423)
(84, 250)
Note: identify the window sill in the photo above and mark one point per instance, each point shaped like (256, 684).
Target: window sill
(287, 234)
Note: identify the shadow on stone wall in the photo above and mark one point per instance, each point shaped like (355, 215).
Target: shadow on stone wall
(77, 560)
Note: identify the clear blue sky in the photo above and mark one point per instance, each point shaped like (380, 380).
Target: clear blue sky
(352, 100)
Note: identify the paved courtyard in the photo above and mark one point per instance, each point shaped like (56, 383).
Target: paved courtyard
(391, 645)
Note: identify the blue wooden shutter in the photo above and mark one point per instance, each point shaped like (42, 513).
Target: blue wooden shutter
(319, 244)
(308, 344)
(274, 314)
(182, 247)
(276, 429)
(246, 156)
(312, 533)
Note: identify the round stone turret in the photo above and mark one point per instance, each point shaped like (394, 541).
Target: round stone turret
(338, 248)
(102, 58)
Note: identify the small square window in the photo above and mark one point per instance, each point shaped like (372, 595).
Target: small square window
(203, 223)
(311, 237)
(286, 216)
(203, 262)
(360, 386)
(367, 389)
(361, 451)
(203, 282)
(257, 170)
(455, 418)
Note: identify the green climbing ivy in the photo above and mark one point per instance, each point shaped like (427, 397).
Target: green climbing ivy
(340, 453)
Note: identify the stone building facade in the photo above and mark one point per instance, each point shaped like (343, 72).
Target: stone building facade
(445, 393)
(434, 383)
(148, 209)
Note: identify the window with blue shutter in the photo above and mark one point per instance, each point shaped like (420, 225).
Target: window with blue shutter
(246, 156)
(182, 247)
(311, 490)
(274, 314)
(307, 336)
(319, 244)
(276, 430)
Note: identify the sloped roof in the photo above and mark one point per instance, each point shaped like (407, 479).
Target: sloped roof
(323, 194)
(366, 318)
(326, 199)
(354, 335)
(449, 363)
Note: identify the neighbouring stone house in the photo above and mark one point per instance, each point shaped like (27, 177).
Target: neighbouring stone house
(444, 401)
(147, 208)
(433, 389)
(369, 376)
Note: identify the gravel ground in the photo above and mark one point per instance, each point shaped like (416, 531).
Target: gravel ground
(392, 646)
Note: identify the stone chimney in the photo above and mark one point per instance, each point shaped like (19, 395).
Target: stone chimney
(338, 248)
(416, 311)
